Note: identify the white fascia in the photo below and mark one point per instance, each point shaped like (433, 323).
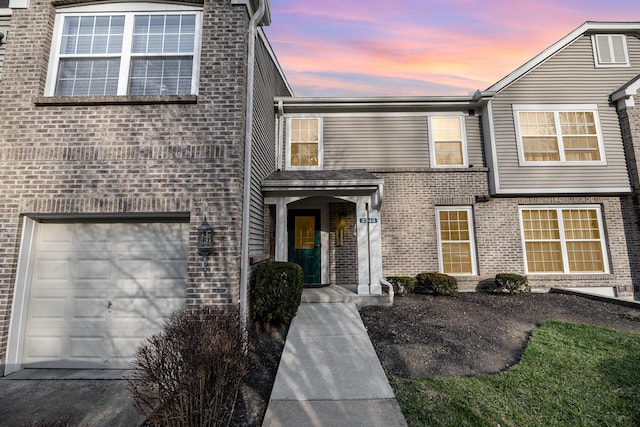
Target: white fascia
(624, 98)
(18, 4)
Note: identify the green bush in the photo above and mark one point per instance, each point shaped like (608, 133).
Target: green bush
(512, 283)
(276, 292)
(190, 373)
(402, 284)
(437, 284)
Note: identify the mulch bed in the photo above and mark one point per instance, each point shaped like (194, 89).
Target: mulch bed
(475, 333)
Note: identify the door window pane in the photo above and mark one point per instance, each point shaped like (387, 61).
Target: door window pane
(305, 232)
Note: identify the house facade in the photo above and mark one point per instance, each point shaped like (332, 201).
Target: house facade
(528, 177)
(124, 126)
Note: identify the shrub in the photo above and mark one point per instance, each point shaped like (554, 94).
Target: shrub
(512, 283)
(436, 283)
(402, 284)
(276, 292)
(190, 372)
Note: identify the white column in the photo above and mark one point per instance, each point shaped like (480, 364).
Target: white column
(281, 230)
(375, 247)
(363, 246)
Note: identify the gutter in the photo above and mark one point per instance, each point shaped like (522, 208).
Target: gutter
(256, 18)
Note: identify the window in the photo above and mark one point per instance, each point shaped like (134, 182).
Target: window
(610, 50)
(455, 240)
(135, 52)
(304, 143)
(4, 4)
(567, 134)
(563, 239)
(447, 141)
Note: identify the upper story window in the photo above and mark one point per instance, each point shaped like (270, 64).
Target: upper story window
(567, 239)
(134, 50)
(610, 50)
(447, 140)
(304, 143)
(558, 134)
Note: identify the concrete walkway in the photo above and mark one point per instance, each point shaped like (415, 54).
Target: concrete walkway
(329, 374)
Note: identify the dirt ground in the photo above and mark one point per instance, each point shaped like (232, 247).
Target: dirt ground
(475, 333)
(265, 349)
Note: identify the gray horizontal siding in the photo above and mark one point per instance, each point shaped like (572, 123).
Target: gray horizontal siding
(4, 28)
(473, 126)
(268, 83)
(352, 142)
(384, 141)
(569, 77)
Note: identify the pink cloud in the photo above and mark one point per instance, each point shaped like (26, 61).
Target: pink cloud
(461, 45)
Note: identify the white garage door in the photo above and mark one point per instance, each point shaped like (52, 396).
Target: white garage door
(97, 290)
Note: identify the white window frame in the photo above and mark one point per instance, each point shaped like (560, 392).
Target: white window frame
(472, 239)
(432, 142)
(563, 238)
(320, 121)
(556, 110)
(129, 10)
(609, 37)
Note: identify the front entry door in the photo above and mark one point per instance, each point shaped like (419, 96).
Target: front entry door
(304, 243)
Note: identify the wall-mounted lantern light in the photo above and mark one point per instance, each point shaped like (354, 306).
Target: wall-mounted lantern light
(340, 227)
(205, 241)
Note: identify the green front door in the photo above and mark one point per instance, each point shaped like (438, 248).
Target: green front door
(304, 243)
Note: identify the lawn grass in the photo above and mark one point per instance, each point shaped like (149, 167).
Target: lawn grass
(570, 375)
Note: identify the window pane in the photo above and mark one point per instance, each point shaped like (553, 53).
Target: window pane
(84, 77)
(544, 257)
(585, 257)
(540, 149)
(89, 35)
(580, 136)
(456, 258)
(159, 76)
(449, 153)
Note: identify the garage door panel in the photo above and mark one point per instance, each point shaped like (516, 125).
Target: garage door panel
(79, 268)
(93, 269)
(48, 308)
(42, 348)
(51, 269)
(90, 349)
(89, 308)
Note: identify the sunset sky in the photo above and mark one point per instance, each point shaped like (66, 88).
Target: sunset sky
(420, 47)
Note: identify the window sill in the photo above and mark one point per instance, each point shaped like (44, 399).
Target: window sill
(114, 100)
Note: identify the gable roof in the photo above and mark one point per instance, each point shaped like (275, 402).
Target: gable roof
(587, 27)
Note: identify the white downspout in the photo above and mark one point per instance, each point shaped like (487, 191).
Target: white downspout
(246, 201)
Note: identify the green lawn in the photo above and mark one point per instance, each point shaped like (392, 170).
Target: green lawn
(570, 375)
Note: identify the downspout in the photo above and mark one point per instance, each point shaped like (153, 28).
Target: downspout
(246, 200)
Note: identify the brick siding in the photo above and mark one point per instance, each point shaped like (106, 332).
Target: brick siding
(409, 240)
(127, 158)
(630, 125)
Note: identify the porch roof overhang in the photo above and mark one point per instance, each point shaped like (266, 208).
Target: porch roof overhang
(322, 183)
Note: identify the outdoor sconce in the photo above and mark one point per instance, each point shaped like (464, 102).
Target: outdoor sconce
(340, 227)
(1, 37)
(205, 241)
